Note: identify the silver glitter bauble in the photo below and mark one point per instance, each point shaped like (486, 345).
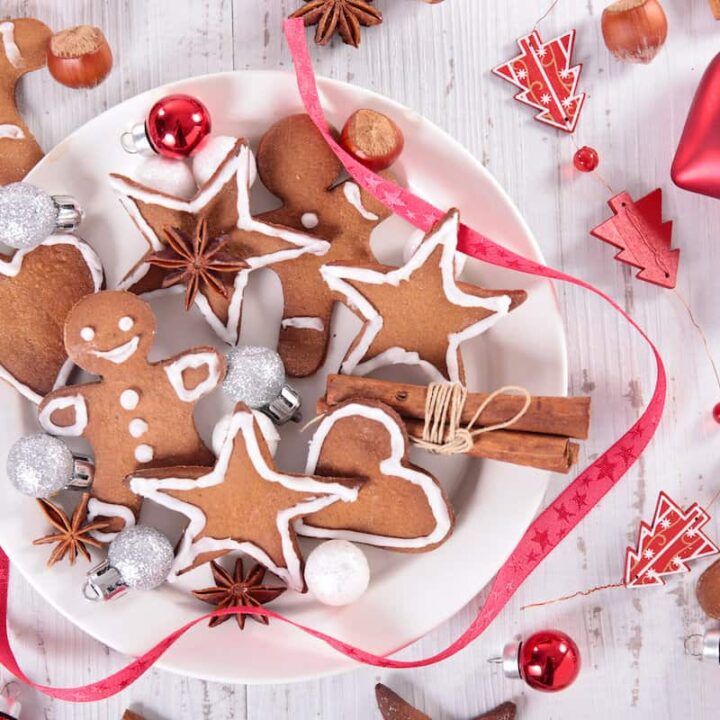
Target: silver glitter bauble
(28, 215)
(143, 557)
(40, 465)
(255, 375)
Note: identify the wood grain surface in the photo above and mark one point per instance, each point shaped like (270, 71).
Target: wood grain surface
(436, 59)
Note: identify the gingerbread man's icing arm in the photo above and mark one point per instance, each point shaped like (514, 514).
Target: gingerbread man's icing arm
(200, 358)
(73, 406)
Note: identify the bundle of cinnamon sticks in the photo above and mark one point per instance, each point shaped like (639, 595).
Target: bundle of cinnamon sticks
(541, 438)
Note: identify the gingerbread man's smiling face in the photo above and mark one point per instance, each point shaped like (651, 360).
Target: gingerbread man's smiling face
(109, 331)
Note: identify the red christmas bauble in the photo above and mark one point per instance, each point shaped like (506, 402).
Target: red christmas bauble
(549, 661)
(716, 413)
(586, 159)
(176, 125)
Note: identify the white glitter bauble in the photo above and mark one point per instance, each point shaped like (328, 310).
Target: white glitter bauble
(173, 177)
(212, 152)
(40, 465)
(143, 557)
(337, 572)
(255, 375)
(27, 215)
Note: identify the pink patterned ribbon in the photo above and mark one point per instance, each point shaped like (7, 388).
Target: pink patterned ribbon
(550, 527)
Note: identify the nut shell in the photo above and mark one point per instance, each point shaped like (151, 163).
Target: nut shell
(634, 30)
(79, 57)
(708, 590)
(373, 139)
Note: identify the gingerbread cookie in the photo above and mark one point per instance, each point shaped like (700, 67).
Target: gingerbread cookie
(139, 414)
(37, 289)
(23, 48)
(417, 314)
(400, 506)
(296, 164)
(243, 504)
(222, 207)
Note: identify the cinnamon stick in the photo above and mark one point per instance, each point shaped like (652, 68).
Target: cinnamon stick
(544, 452)
(562, 416)
(715, 7)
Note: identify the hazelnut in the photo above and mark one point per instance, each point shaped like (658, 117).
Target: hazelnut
(373, 139)
(79, 57)
(634, 30)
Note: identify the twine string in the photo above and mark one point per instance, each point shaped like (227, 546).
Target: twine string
(443, 432)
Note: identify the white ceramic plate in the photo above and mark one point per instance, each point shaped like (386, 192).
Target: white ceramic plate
(494, 502)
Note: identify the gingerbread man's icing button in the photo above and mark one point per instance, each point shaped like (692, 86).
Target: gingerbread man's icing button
(139, 413)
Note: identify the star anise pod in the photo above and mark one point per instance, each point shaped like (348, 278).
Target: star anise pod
(239, 589)
(195, 262)
(73, 533)
(343, 16)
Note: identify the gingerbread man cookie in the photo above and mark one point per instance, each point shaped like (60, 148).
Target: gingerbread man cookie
(219, 212)
(23, 48)
(37, 289)
(139, 414)
(296, 164)
(400, 506)
(243, 504)
(417, 314)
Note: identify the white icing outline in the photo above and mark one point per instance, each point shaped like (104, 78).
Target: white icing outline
(98, 508)
(304, 323)
(391, 466)
(352, 194)
(12, 51)
(127, 403)
(446, 237)
(137, 427)
(236, 165)
(242, 422)
(78, 403)
(121, 353)
(175, 370)
(8, 131)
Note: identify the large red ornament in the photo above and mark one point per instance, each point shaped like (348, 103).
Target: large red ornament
(666, 546)
(546, 78)
(174, 128)
(697, 162)
(637, 228)
(547, 661)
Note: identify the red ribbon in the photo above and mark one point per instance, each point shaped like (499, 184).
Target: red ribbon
(550, 527)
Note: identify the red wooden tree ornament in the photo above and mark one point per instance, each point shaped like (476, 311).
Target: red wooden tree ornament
(637, 228)
(547, 79)
(666, 546)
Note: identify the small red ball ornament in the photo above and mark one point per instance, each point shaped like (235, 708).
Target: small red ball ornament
(548, 661)
(175, 127)
(716, 413)
(586, 159)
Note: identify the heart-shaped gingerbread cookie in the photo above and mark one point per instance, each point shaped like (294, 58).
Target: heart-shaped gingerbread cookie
(400, 506)
(37, 289)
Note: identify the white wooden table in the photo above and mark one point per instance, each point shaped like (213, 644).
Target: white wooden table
(436, 59)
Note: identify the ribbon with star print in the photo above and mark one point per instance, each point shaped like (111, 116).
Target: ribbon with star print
(545, 532)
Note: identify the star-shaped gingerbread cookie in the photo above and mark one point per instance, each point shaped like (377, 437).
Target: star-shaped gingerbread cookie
(418, 314)
(223, 204)
(243, 504)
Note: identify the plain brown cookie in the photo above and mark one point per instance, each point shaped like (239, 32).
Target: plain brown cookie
(37, 289)
(400, 506)
(296, 164)
(419, 313)
(140, 413)
(23, 48)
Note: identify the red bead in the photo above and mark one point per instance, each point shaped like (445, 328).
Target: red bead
(586, 159)
(549, 661)
(716, 413)
(176, 125)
